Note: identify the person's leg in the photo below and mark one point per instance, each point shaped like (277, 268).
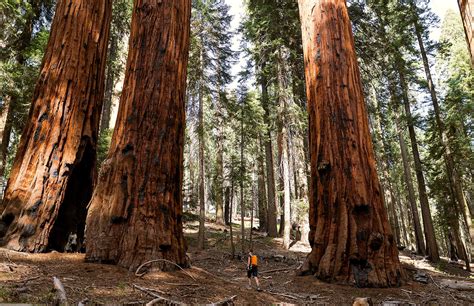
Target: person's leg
(257, 282)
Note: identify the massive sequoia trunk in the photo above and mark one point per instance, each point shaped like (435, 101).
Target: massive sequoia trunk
(52, 177)
(350, 234)
(135, 212)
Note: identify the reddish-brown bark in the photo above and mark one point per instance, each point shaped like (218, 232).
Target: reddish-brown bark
(350, 234)
(52, 177)
(135, 212)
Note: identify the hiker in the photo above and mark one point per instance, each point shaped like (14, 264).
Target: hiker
(252, 269)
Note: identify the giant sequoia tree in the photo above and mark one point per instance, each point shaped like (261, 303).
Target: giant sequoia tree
(52, 177)
(350, 234)
(136, 210)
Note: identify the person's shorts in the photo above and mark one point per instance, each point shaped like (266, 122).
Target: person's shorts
(253, 271)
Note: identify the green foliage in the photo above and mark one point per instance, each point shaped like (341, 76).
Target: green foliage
(210, 60)
(103, 145)
(25, 31)
(456, 88)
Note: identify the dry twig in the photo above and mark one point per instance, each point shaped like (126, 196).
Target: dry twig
(177, 284)
(277, 270)
(157, 297)
(225, 301)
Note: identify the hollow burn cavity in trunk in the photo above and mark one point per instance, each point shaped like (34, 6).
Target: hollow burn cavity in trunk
(72, 213)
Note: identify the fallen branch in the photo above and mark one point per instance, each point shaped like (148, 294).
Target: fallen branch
(176, 284)
(276, 270)
(441, 288)
(159, 260)
(225, 301)
(157, 297)
(154, 301)
(411, 292)
(60, 292)
(282, 294)
(215, 276)
(27, 279)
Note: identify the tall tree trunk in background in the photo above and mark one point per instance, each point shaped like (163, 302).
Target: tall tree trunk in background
(394, 102)
(383, 160)
(431, 244)
(420, 244)
(220, 174)
(6, 117)
(272, 211)
(262, 200)
(252, 207)
(283, 166)
(202, 196)
(453, 176)
(109, 87)
(135, 213)
(350, 234)
(291, 150)
(461, 249)
(241, 179)
(227, 211)
(232, 246)
(53, 173)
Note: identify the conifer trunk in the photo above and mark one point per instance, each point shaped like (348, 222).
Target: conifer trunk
(350, 234)
(54, 170)
(241, 180)
(109, 88)
(5, 133)
(220, 176)
(420, 244)
(202, 195)
(135, 212)
(283, 165)
(431, 244)
(272, 211)
(227, 210)
(262, 201)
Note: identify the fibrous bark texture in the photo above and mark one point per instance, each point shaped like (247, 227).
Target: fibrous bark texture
(135, 212)
(53, 173)
(350, 234)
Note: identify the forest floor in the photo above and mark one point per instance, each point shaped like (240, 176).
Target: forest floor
(215, 276)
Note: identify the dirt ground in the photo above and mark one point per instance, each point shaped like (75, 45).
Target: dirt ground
(214, 277)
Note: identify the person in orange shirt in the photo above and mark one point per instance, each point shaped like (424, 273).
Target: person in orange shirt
(252, 269)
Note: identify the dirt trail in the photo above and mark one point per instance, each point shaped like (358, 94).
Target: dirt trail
(28, 278)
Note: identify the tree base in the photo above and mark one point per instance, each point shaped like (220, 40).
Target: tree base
(360, 273)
